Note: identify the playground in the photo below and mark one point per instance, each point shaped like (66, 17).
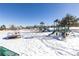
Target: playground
(41, 44)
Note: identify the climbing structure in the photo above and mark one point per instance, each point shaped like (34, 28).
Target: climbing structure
(59, 30)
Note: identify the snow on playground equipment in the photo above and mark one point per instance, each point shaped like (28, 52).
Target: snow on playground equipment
(59, 31)
(6, 52)
(12, 35)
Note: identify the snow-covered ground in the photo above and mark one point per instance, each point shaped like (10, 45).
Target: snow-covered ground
(39, 44)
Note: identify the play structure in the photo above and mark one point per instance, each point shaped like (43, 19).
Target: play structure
(13, 35)
(6, 52)
(60, 31)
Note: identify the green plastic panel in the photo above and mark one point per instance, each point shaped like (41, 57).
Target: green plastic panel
(7, 52)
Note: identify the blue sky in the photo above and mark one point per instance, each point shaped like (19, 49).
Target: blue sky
(32, 14)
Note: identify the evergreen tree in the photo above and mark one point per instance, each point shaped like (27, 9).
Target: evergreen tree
(69, 21)
(3, 27)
